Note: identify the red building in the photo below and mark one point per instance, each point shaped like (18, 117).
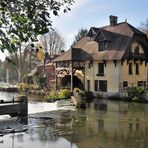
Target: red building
(46, 72)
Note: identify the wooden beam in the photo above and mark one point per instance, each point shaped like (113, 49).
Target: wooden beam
(122, 61)
(55, 76)
(84, 76)
(71, 76)
(141, 61)
(115, 62)
(145, 63)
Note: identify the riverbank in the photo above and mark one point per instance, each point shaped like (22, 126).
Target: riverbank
(135, 94)
(41, 97)
(138, 95)
(7, 87)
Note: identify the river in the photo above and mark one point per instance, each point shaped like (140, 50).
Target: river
(105, 124)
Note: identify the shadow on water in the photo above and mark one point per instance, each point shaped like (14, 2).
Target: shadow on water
(13, 125)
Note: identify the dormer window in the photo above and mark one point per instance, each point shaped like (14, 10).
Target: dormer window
(92, 36)
(92, 33)
(103, 39)
(136, 48)
(102, 45)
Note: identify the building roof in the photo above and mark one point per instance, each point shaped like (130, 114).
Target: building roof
(114, 51)
(123, 28)
(118, 38)
(48, 61)
(74, 54)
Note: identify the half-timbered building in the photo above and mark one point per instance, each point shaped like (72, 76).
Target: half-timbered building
(110, 58)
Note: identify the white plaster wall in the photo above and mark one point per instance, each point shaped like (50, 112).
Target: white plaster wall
(133, 78)
(111, 74)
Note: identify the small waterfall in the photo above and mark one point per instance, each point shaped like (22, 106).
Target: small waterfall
(38, 107)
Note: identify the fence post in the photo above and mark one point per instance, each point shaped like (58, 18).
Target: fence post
(23, 105)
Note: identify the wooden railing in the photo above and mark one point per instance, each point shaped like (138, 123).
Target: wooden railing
(14, 108)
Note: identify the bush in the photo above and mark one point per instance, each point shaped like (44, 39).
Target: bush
(79, 92)
(135, 94)
(140, 90)
(51, 96)
(80, 96)
(25, 87)
(65, 93)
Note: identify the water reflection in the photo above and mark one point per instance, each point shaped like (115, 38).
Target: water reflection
(105, 124)
(119, 124)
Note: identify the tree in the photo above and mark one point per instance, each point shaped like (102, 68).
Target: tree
(1, 71)
(81, 33)
(21, 63)
(23, 20)
(144, 27)
(53, 42)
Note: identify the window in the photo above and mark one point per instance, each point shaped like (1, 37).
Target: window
(103, 45)
(96, 85)
(137, 68)
(106, 43)
(141, 83)
(88, 85)
(90, 64)
(136, 50)
(130, 71)
(144, 83)
(101, 69)
(103, 85)
(125, 84)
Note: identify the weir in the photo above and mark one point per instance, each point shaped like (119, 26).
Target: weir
(14, 108)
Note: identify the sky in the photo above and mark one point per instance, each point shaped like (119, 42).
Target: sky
(95, 13)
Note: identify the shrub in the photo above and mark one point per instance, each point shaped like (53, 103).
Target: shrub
(135, 94)
(65, 93)
(79, 92)
(76, 90)
(51, 96)
(25, 87)
(140, 90)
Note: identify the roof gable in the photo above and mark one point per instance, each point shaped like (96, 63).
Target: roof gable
(123, 28)
(74, 54)
(118, 38)
(103, 35)
(92, 31)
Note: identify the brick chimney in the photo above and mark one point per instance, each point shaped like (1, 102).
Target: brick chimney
(113, 20)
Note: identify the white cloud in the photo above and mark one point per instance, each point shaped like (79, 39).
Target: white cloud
(68, 23)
